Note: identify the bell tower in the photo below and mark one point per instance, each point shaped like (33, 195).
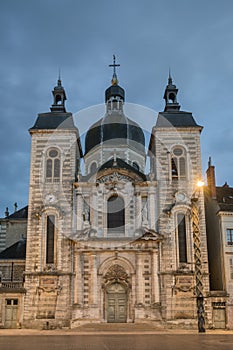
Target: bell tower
(55, 154)
(59, 97)
(170, 96)
(175, 156)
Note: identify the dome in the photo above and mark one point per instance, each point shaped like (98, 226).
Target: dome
(112, 128)
(114, 90)
(115, 128)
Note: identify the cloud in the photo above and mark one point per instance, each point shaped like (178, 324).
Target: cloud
(80, 37)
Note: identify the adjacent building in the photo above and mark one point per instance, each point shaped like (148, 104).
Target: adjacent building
(219, 223)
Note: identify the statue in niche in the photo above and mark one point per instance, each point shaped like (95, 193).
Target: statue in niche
(144, 213)
(86, 215)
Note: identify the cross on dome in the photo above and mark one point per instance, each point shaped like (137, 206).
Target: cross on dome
(114, 76)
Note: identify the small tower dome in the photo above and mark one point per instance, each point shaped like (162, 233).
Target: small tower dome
(59, 97)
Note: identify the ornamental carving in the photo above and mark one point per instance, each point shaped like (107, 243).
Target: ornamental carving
(115, 177)
(184, 284)
(50, 268)
(49, 285)
(116, 273)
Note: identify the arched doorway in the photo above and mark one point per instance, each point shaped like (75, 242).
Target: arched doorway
(117, 296)
(116, 303)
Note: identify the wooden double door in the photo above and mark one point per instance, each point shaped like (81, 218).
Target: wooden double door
(11, 313)
(116, 304)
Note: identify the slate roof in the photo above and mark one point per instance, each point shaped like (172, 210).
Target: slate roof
(115, 128)
(19, 214)
(176, 119)
(53, 121)
(114, 90)
(121, 164)
(17, 251)
(225, 198)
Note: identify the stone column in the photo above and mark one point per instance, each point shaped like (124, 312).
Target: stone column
(155, 277)
(94, 209)
(79, 212)
(78, 282)
(138, 211)
(139, 280)
(93, 278)
(151, 209)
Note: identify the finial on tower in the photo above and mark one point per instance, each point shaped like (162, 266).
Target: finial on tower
(59, 77)
(169, 77)
(114, 76)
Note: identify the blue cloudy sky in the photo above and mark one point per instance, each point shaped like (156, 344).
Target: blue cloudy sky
(193, 38)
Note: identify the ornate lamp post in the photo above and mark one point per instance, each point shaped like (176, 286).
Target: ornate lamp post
(198, 261)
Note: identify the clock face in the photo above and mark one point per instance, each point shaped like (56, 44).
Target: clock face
(180, 197)
(50, 198)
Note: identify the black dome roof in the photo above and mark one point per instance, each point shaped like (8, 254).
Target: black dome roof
(114, 90)
(112, 128)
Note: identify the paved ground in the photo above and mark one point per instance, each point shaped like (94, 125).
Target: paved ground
(109, 328)
(118, 342)
(115, 337)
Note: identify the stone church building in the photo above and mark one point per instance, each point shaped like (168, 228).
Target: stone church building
(112, 243)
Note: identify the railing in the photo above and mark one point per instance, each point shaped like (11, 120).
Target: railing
(11, 285)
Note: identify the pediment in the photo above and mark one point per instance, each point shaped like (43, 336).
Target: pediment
(148, 235)
(114, 177)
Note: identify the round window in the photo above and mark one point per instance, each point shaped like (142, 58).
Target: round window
(177, 152)
(53, 153)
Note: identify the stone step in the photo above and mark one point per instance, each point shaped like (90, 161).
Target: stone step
(118, 327)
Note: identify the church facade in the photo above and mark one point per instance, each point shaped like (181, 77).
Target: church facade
(112, 243)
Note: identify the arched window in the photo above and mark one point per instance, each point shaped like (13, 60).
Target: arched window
(58, 99)
(116, 215)
(182, 241)
(172, 97)
(50, 239)
(53, 165)
(178, 163)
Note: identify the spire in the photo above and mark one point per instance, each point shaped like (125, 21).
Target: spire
(114, 76)
(170, 96)
(115, 92)
(59, 78)
(59, 96)
(169, 77)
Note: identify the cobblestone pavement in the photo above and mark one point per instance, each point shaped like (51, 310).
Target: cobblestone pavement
(118, 342)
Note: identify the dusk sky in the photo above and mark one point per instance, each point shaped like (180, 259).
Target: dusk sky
(37, 38)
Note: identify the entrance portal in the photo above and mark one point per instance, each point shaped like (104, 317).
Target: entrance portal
(116, 303)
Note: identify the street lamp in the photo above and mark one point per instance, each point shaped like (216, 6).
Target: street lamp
(197, 259)
(200, 183)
